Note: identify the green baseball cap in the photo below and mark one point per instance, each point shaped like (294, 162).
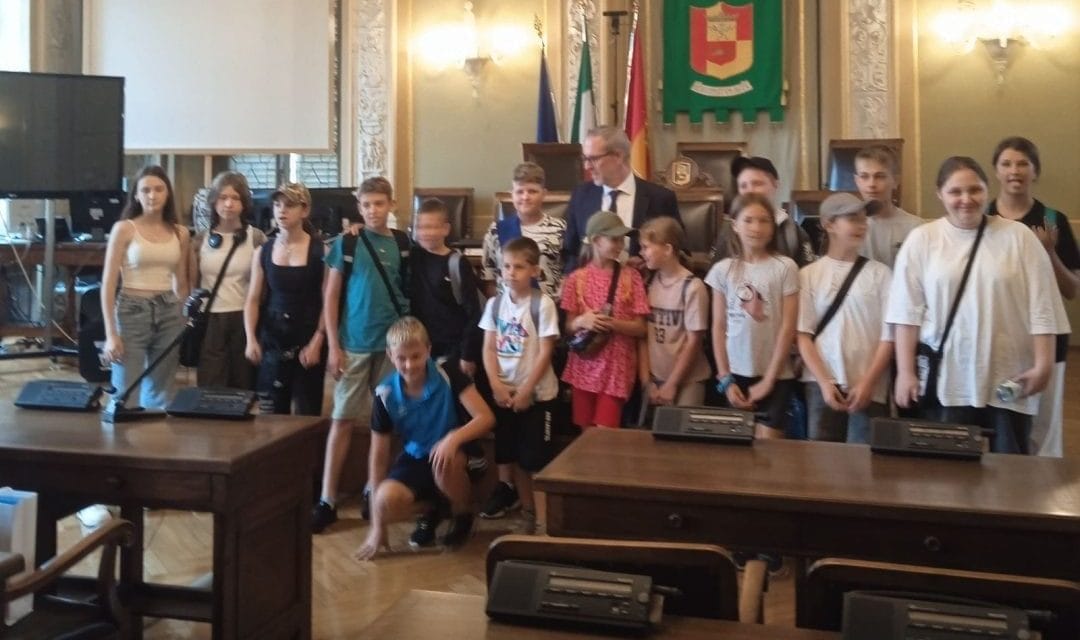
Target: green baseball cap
(606, 223)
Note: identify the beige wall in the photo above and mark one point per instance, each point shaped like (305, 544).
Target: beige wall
(964, 112)
(462, 141)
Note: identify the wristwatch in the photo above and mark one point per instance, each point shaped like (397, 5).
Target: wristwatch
(723, 383)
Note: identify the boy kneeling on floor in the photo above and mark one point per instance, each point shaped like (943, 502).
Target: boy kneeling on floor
(418, 402)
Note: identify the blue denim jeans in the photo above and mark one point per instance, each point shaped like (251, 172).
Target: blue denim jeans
(825, 423)
(147, 327)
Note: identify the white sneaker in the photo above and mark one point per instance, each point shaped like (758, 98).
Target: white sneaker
(93, 516)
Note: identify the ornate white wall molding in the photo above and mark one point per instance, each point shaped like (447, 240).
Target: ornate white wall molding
(574, 43)
(372, 86)
(869, 59)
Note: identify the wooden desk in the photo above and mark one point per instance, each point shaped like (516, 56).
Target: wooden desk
(422, 615)
(1009, 514)
(73, 255)
(255, 477)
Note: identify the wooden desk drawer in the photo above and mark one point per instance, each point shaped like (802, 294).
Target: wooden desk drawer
(111, 486)
(944, 545)
(590, 516)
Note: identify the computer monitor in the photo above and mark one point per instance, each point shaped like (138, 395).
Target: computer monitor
(95, 212)
(333, 208)
(262, 208)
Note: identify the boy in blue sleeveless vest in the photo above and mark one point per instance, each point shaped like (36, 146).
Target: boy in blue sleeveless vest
(364, 296)
(418, 402)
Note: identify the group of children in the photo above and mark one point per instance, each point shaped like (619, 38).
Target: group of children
(403, 328)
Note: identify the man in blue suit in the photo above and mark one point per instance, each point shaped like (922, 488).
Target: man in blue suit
(614, 187)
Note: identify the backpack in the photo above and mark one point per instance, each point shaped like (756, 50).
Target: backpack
(534, 308)
(457, 283)
(348, 253)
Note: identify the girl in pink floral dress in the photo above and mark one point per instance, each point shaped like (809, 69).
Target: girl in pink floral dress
(603, 376)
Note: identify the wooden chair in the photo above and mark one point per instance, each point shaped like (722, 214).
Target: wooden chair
(561, 161)
(53, 616)
(704, 573)
(715, 158)
(555, 204)
(819, 597)
(459, 200)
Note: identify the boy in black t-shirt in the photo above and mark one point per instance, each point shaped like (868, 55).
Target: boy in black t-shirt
(444, 295)
(419, 403)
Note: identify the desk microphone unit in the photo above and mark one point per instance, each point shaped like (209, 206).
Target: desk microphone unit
(703, 424)
(219, 404)
(900, 436)
(59, 395)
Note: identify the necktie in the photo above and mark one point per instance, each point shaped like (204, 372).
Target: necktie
(614, 195)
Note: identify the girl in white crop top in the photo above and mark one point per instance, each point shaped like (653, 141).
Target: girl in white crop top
(148, 251)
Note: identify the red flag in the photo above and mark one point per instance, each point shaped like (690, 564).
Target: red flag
(637, 109)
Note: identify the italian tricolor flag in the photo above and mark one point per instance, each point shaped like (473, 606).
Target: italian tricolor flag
(584, 118)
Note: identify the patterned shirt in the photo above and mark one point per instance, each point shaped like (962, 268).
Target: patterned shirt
(548, 234)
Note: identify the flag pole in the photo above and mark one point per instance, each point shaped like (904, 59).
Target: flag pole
(630, 59)
(538, 24)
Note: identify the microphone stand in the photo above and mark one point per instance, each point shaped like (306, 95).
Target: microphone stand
(118, 411)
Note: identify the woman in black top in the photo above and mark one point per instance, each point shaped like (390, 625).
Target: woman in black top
(287, 277)
(1016, 163)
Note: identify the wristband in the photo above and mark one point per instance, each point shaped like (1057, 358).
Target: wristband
(723, 383)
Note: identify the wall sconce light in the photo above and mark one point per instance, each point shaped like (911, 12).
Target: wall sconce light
(1000, 25)
(465, 46)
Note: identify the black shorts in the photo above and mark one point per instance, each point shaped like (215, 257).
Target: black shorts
(417, 475)
(525, 438)
(772, 411)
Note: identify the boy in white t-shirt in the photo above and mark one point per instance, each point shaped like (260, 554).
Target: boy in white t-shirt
(520, 325)
(846, 358)
(876, 179)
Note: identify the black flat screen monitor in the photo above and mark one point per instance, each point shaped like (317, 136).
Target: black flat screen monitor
(262, 205)
(95, 212)
(329, 206)
(60, 134)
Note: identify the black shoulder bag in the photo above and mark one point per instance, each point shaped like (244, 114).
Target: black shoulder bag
(928, 359)
(382, 273)
(834, 306)
(191, 345)
(586, 342)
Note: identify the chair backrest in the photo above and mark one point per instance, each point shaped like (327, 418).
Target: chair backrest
(700, 210)
(561, 161)
(715, 158)
(820, 598)
(703, 573)
(555, 204)
(459, 200)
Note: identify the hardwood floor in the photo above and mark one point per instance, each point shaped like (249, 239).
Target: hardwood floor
(347, 595)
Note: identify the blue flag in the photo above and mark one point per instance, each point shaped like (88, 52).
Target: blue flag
(546, 128)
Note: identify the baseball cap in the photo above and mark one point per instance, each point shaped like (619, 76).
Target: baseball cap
(753, 162)
(294, 193)
(843, 204)
(606, 223)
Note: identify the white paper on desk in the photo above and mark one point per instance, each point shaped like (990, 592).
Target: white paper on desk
(18, 526)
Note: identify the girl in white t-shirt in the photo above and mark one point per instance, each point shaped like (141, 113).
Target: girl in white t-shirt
(755, 304)
(671, 363)
(845, 360)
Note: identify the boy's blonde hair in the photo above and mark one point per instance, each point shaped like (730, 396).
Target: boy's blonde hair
(407, 330)
(530, 172)
(882, 155)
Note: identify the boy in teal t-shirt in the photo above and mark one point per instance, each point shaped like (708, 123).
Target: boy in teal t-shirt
(356, 331)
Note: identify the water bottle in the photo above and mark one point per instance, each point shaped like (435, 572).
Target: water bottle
(1009, 391)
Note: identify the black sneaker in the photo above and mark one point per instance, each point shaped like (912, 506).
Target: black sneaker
(458, 533)
(424, 533)
(503, 500)
(322, 516)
